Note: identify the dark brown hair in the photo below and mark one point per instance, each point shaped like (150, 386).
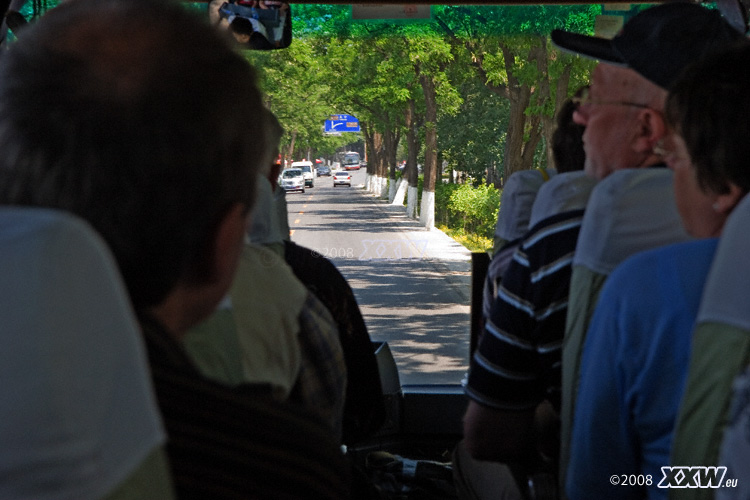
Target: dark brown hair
(709, 107)
(567, 140)
(136, 116)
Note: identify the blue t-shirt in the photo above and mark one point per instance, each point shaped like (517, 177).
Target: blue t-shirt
(633, 370)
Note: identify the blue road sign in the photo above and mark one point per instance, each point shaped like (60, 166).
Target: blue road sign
(342, 123)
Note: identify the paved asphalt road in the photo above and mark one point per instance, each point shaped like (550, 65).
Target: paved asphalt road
(412, 284)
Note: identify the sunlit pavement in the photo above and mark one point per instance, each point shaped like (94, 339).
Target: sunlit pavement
(412, 284)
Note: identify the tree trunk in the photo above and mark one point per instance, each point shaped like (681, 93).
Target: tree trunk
(370, 141)
(375, 167)
(439, 170)
(514, 141)
(561, 93)
(410, 171)
(427, 212)
(390, 145)
(290, 150)
(380, 167)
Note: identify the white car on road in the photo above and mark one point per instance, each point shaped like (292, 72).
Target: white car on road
(292, 180)
(343, 178)
(307, 171)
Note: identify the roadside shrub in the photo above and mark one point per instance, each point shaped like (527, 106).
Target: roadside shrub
(473, 242)
(444, 216)
(473, 209)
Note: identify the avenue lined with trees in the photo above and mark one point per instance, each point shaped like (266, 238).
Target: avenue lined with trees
(469, 95)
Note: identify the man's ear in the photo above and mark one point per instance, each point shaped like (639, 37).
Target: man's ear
(652, 128)
(726, 202)
(228, 241)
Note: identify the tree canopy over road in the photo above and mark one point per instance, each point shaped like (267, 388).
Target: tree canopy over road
(473, 88)
(476, 86)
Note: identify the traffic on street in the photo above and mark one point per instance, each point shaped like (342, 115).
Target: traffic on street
(412, 284)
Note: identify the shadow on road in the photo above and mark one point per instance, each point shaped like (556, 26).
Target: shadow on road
(430, 341)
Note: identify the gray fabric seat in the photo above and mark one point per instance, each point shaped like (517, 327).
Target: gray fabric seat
(720, 350)
(630, 211)
(735, 446)
(517, 199)
(76, 404)
(562, 193)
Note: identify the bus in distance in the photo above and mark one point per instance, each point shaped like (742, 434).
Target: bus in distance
(351, 161)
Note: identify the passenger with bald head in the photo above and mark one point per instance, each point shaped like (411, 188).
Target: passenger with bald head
(638, 348)
(519, 360)
(635, 349)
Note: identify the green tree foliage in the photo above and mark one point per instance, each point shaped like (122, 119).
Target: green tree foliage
(487, 75)
(509, 49)
(471, 141)
(443, 216)
(299, 98)
(477, 87)
(376, 71)
(370, 79)
(471, 209)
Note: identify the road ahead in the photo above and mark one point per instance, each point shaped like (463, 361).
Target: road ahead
(413, 285)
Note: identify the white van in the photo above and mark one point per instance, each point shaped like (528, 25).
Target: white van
(307, 171)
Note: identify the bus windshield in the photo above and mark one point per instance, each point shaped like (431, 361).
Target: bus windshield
(439, 128)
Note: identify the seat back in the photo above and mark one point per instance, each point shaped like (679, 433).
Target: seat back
(562, 193)
(267, 227)
(515, 204)
(76, 404)
(720, 350)
(735, 446)
(365, 409)
(630, 211)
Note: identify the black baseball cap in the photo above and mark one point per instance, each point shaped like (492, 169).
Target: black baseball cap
(658, 42)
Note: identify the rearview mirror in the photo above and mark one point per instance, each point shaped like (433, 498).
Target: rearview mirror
(254, 24)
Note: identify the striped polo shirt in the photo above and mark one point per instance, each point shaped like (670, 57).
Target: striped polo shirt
(517, 362)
